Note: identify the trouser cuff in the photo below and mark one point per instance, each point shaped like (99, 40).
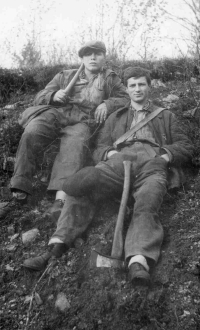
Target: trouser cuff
(55, 240)
(141, 260)
(20, 183)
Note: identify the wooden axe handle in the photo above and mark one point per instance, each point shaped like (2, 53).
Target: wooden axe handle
(117, 247)
(74, 79)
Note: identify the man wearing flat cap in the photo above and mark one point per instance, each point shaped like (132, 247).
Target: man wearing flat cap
(72, 119)
(151, 138)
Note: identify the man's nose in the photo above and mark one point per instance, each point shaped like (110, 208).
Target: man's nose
(93, 56)
(137, 88)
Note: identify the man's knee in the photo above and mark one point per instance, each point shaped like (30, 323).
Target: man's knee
(84, 182)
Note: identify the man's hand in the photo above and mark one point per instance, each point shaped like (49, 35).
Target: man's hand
(166, 157)
(101, 113)
(60, 96)
(111, 152)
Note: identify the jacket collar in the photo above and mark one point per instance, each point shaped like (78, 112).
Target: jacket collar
(126, 108)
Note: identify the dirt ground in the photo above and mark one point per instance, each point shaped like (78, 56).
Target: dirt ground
(101, 298)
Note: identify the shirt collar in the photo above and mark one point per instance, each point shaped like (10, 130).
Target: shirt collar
(146, 107)
(82, 75)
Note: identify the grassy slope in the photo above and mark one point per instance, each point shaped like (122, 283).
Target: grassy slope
(103, 298)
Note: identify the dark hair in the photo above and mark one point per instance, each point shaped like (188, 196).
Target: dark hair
(136, 72)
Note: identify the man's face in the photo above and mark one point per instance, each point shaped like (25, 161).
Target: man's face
(93, 60)
(138, 89)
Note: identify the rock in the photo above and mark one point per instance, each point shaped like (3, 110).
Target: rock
(193, 80)
(185, 313)
(156, 83)
(50, 297)
(11, 247)
(29, 236)
(44, 179)
(27, 299)
(14, 237)
(61, 302)
(190, 113)
(8, 267)
(12, 106)
(171, 98)
(79, 242)
(8, 163)
(3, 204)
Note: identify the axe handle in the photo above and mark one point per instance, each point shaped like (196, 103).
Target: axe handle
(117, 247)
(74, 79)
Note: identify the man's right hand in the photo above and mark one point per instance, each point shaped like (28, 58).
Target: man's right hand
(60, 96)
(111, 153)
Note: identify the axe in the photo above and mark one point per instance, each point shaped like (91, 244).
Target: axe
(115, 260)
(74, 79)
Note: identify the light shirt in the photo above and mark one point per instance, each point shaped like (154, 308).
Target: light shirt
(145, 132)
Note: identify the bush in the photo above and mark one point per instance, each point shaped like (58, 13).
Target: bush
(14, 82)
(35, 79)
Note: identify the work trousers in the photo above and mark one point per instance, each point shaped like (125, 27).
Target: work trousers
(148, 187)
(42, 131)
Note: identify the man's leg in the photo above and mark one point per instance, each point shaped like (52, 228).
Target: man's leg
(84, 189)
(38, 134)
(145, 233)
(72, 156)
(78, 212)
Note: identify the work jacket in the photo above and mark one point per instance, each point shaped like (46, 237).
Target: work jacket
(167, 134)
(86, 95)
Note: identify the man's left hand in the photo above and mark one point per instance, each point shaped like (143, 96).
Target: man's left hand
(101, 113)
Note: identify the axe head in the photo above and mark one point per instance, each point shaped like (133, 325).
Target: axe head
(99, 260)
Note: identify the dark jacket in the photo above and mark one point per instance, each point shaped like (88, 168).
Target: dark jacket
(105, 87)
(108, 85)
(167, 134)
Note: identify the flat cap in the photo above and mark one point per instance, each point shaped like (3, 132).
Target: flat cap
(98, 45)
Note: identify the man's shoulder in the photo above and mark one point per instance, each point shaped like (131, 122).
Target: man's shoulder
(68, 72)
(109, 73)
(120, 112)
(163, 111)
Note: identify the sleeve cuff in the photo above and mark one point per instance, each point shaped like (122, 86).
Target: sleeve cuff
(107, 103)
(166, 151)
(104, 158)
(51, 102)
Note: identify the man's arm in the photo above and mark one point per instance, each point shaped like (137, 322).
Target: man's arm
(53, 93)
(116, 98)
(104, 142)
(179, 147)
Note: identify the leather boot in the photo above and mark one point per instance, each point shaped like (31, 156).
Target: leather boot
(138, 274)
(55, 210)
(40, 262)
(13, 204)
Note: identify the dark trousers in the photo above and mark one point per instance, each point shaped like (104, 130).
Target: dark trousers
(148, 187)
(38, 135)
